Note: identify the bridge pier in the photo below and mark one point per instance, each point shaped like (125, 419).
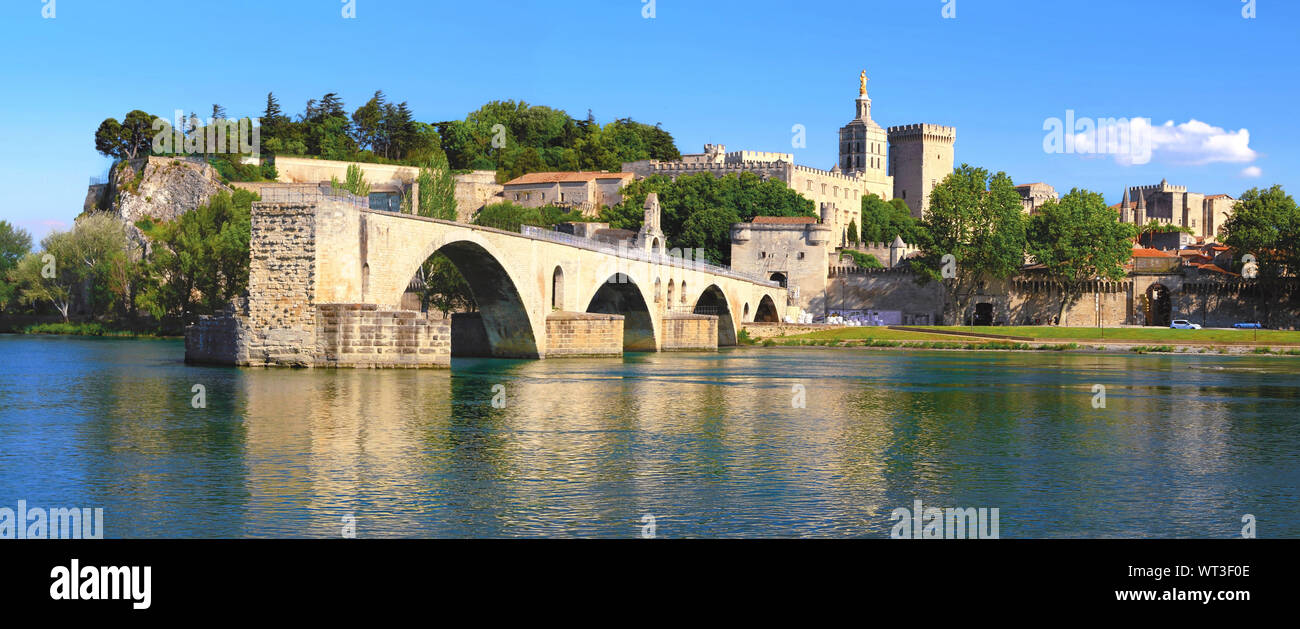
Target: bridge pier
(689, 332)
(573, 334)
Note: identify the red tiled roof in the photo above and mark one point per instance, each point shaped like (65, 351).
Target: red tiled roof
(1214, 268)
(1151, 253)
(565, 177)
(784, 220)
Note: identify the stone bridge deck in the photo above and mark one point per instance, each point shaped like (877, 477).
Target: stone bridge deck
(326, 280)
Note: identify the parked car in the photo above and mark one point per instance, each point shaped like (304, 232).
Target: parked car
(1249, 325)
(1184, 324)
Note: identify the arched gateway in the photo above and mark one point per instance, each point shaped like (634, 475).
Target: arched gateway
(327, 279)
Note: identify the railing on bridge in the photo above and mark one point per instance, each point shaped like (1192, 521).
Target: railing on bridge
(311, 194)
(623, 251)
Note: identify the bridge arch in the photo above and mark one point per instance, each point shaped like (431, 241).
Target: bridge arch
(713, 301)
(766, 312)
(620, 294)
(503, 307)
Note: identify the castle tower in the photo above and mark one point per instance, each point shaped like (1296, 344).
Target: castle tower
(920, 156)
(1141, 210)
(651, 238)
(863, 143)
(1124, 210)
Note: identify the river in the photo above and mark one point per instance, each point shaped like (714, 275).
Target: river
(747, 442)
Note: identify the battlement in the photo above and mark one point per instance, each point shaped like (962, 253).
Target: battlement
(1160, 187)
(853, 178)
(709, 166)
(933, 131)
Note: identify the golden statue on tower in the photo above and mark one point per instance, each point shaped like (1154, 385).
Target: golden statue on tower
(862, 80)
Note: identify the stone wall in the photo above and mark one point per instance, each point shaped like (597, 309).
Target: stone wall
(218, 340)
(572, 334)
(362, 335)
(474, 190)
(682, 331)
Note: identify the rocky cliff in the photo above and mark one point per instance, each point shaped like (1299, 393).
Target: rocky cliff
(161, 188)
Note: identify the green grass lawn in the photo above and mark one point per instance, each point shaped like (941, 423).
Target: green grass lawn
(872, 333)
(1161, 335)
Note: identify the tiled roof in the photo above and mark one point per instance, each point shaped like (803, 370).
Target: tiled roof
(1151, 253)
(565, 177)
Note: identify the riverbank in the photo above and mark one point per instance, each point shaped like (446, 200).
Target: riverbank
(85, 329)
(1091, 340)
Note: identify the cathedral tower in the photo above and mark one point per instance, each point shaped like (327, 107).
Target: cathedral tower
(863, 143)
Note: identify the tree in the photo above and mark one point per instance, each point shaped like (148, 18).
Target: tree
(15, 243)
(367, 123)
(356, 182)
(86, 264)
(1079, 239)
(199, 260)
(218, 112)
(734, 198)
(978, 220)
(853, 232)
(437, 189)
(128, 139)
(883, 221)
(1265, 223)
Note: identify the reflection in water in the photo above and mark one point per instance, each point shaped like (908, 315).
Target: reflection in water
(711, 444)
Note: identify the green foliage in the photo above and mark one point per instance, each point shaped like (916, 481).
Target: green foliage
(14, 244)
(537, 138)
(437, 189)
(510, 216)
(883, 221)
(88, 265)
(977, 218)
(444, 287)
(199, 261)
(128, 139)
(1078, 239)
(1265, 223)
(698, 210)
(356, 182)
(864, 260)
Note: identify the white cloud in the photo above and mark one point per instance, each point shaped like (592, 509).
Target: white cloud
(1192, 143)
(1197, 143)
(1252, 172)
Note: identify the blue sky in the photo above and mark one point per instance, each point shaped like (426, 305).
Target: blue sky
(736, 72)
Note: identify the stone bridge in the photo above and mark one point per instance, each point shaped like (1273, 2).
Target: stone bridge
(327, 279)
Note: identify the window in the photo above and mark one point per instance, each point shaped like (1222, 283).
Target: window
(800, 255)
(762, 254)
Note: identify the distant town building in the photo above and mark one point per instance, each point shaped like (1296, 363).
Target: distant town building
(872, 160)
(1034, 195)
(585, 191)
(1173, 205)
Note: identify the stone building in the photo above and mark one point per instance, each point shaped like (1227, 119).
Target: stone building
(1173, 205)
(1034, 195)
(920, 156)
(585, 191)
(868, 164)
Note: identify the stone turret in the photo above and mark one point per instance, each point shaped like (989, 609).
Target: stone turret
(1141, 209)
(651, 236)
(1125, 212)
(896, 250)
